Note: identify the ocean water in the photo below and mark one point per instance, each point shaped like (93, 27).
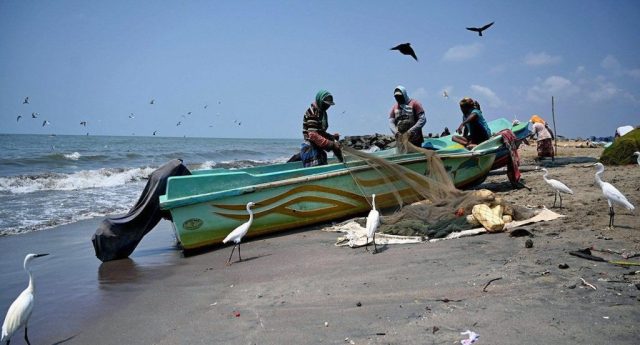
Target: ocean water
(47, 181)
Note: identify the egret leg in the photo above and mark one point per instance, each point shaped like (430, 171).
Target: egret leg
(555, 196)
(375, 248)
(239, 256)
(366, 245)
(560, 195)
(229, 261)
(611, 215)
(26, 337)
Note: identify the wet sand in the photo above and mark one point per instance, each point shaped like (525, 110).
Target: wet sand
(298, 287)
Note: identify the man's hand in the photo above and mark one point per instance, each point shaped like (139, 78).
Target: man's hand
(460, 128)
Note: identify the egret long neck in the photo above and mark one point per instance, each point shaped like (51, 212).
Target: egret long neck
(31, 286)
(373, 202)
(250, 213)
(598, 179)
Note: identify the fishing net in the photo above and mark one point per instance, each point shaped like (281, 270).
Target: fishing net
(622, 149)
(439, 208)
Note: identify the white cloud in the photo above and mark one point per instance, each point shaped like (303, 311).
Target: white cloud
(492, 99)
(604, 91)
(580, 69)
(552, 86)
(463, 52)
(539, 59)
(634, 73)
(610, 63)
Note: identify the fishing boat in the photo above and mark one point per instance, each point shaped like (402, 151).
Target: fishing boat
(210, 203)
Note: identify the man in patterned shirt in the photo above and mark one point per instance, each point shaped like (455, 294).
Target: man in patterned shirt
(314, 130)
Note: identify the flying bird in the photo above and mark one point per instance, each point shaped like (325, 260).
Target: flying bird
(238, 233)
(34, 115)
(154, 132)
(20, 310)
(84, 123)
(26, 100)
(405, 48)
(557, 186)
(188, 113)
(372, 224)
(205, 106)
(612, 194)
(153, 101)
(637, 154)
(45, 122)
(131, 116)
(480, 30)
(179, 123)
(445, 94)
(18, 118)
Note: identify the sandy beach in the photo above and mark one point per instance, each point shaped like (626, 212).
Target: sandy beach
(299, 288)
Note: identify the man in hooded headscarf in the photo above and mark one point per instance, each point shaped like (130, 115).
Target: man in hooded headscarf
(314, 130)
(474, 127)
(544, 137)
(407, 116)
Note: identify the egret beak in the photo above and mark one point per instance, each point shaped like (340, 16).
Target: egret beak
(39, 255)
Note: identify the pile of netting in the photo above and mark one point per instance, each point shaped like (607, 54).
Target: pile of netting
(436, 207)
(622, 149)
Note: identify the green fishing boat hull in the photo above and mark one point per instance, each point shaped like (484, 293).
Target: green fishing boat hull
(209, 204)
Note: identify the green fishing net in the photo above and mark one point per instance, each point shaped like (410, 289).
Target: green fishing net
(622, 149)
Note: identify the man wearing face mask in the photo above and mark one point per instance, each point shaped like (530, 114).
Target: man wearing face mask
(314, 130)
(407, 116)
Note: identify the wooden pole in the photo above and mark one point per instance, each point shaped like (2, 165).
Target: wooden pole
(555, 132)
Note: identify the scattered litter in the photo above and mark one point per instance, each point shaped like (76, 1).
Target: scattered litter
(605, 317)
(435, 329)
(586, 254)
(528, 243)
(236, 313)
(623, 253)
(563, 266)
(358, 304)
(484, 289)
(587, 284)
(520, 232)
(472, 337)
(212, 304)
(326, 324)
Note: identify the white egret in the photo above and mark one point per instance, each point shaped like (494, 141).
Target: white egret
(637, 154)
(20, 310)
(557, 186)
(612, 194)
(373, 222)
(238, 233)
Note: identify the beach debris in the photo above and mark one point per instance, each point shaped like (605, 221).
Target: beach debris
(358, 304)
(520, 232)
(238, 233)
(484, 289)
(236, 313)
(435, 329)
(612, 194)
(557, 186)
(491, 219)
(586, 254)
(563, 266)
(625, 254)
(584, 282)
(405, 48)
(528, 243)
(326, 324)
(472, 337)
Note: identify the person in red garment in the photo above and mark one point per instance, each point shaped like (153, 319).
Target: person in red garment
(314, 130)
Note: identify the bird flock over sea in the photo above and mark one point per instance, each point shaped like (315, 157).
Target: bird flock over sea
(85, 123)
(404, 48)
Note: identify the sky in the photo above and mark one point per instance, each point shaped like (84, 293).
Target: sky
(257, 65)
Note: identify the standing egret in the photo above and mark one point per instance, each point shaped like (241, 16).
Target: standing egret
(557, 186)
(612, 194)
(238, 233)
(373, 222)
(20, 310)
(637, 154)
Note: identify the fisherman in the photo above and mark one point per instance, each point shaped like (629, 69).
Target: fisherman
(544, 137)
(407, 116)
(474, 128)
(314, 130)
